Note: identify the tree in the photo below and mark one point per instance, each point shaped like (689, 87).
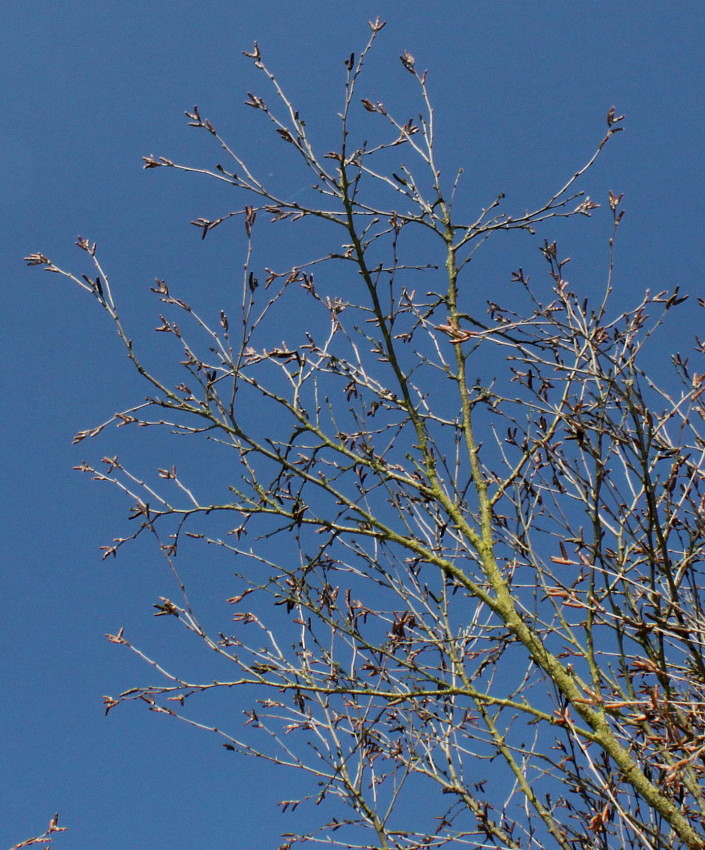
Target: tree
(45, 839)
(468, 547)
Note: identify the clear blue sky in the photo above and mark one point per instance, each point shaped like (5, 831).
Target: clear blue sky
(521, 91)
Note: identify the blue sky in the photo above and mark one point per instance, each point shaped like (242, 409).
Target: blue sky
(521, 91)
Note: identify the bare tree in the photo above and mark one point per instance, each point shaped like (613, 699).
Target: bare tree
(468, 548)
(45, 839)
